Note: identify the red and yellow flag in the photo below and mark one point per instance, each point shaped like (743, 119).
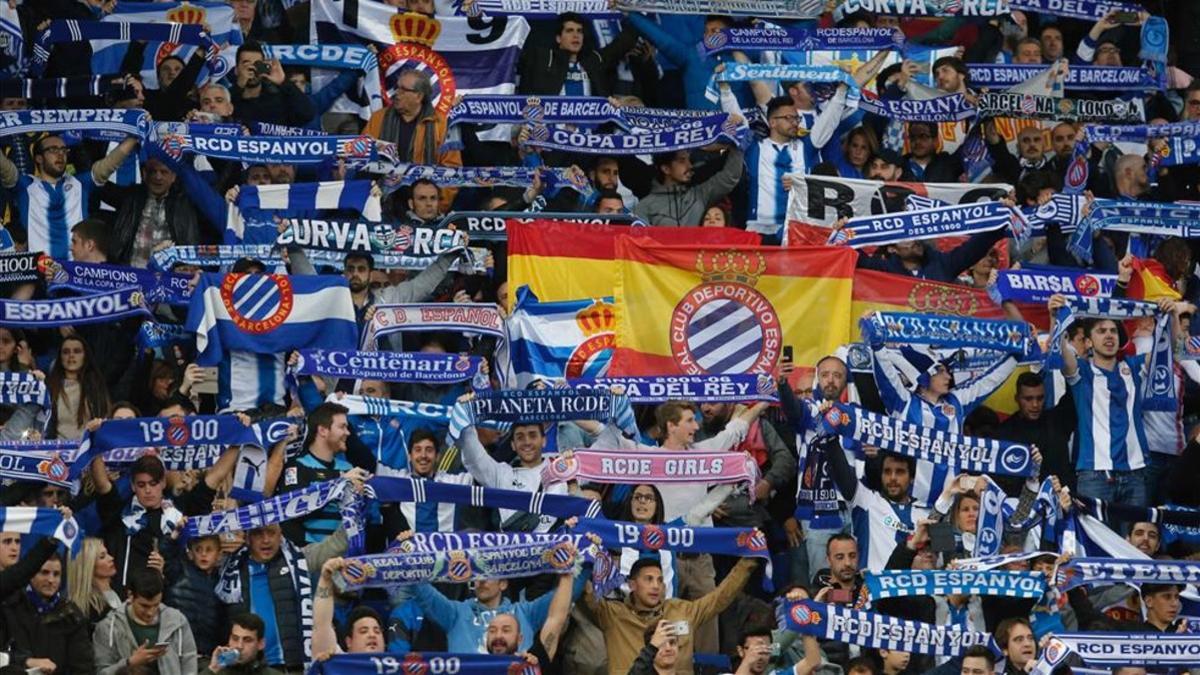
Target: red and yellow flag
(570, 261)
(692, 309)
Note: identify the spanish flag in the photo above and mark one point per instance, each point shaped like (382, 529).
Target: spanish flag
(884, 292)
(1150, 281)
(693, 309)
(560, 260)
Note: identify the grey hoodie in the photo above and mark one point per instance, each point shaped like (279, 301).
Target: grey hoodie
(113, 643)
(684, 206)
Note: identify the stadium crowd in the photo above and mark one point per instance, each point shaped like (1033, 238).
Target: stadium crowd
(125, 427)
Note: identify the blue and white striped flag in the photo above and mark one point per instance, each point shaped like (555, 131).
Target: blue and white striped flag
(42, 522)
(350, 195)
(556, 340)
(108, 54)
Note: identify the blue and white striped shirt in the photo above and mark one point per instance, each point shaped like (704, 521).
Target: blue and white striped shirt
(48, 211)
(1110, 435)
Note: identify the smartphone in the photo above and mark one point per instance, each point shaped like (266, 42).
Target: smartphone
(1125, 17)
(941, 537)
(209, 384)
(839, 596)
(787, 353)
(681, 628)
(162, 645)
(262, 67)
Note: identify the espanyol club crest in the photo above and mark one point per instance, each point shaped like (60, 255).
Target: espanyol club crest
(753, 540)
(533, 112)
(463, 363)
(415, 664)
(716, 40)
(653, 538)
(357, 147)
(458, 568)
(804, 616)
(1077, 173)
(1087, 285)
(415, 36)
(55, 469)
(560, 556)
(257, 303)
(597, 322)
(1028, 104)
(725, 325)
(178, 433)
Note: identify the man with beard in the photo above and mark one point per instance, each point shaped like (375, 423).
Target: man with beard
(50, 201)
(775, 461)
(323, 459)
(1145, 538)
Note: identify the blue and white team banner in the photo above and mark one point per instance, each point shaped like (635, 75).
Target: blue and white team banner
(101, 123)
(435, 413)
(741, 542)
(556, 340)
(349, 195)
(932, 223)
(989, 531)
(879, 631)
(422, 662)
(40, 522)
(948, 108)
(22, 387)
(174, 289)
(542, 405)
(461, 317)
(76, 311)
(107, 55)
(775, 38)
(393, 366)
(270, 314)
(437, 542)
(747, 72)
(1084, 78)
(1088, 10)
(697, 133)
(912, 583)
(712, 388)
(287, 149)
(1035, 106)
(277, 509)
(763, 9)
(393, 246)
(1112, 650)
(965, 453)
(1014, 337)
(556, 555)
(1087, 571)
(213, 256)
(1036, 283)
(926, 7)
(1177, 152)
(1062, 209)
(465, 56)
(334, 57)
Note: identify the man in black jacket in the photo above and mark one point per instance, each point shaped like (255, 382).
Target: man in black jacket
(267, 97)
(1049, 429)
(567, 69)
(153, 212)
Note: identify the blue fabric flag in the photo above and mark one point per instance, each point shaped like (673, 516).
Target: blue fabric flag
(270, 314)
(555, 340)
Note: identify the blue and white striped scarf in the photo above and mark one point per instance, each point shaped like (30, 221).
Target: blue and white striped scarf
(277, 509)
(708, 388)
(291, 149)
(879, 631)
(336, 57)
(420, 490)
(423, 662)
(42, 523)
(1088, 571)
(1013, 337)
(23, 388)
(964, 453)
(32, 464)
(1168, 219)
(911, 583)
(941, 221)
(85, 277)
(542, 405)
(216, 255)
(685, 135)
(948, 108)
(554, 554)
(766, 37)
(1111, 650)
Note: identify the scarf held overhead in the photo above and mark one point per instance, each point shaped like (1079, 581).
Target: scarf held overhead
(869, 629)
(632, 468)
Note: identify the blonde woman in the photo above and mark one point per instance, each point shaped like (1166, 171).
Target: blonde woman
(89, 580)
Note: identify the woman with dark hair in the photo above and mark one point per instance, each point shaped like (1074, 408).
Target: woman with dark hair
(15, 356)
(854, 154)
(47, 627)
(14, 351)
(78, 392)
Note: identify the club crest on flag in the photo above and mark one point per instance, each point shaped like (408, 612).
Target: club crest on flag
(55, 469)
(257, 303)
(415, 35)
(591, 357)
(938, 299)
(185, 13)
(725, 325)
